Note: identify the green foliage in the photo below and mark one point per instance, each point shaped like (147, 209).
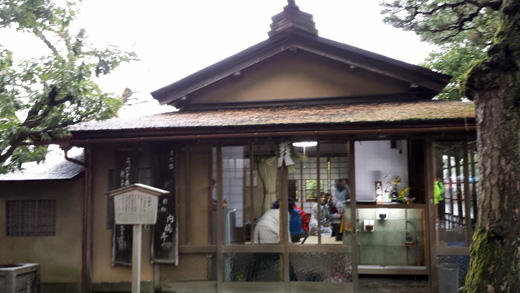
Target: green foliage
(41, 97)
(446, 22)
(454, 60)
(464, 31)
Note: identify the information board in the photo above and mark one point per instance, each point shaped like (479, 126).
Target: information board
(135, 207)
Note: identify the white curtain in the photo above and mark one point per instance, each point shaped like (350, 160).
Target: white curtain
(268, 169)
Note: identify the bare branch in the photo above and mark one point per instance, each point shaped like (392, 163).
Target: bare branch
(40, 35)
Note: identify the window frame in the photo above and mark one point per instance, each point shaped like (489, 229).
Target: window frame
(32, 218)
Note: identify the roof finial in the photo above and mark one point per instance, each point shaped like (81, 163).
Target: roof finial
(290, 19)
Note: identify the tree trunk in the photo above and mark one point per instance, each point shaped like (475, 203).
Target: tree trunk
(494, 85)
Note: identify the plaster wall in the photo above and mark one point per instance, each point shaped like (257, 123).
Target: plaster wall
(295, 76)
(377, 161)
(198, 199)
(59, 256)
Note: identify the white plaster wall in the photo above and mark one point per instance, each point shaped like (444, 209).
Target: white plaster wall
(377, 161)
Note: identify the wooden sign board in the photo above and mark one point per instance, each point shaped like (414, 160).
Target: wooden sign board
(136, 204)
(135, 208)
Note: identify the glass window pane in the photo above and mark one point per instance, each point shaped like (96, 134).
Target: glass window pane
(346, 227)
(334, 171)
(264, 194)
(333, 267)
(311, 189)
(396, 239)
(252, 267)
(235, 190)
(303, 185)
(325, 190)
(449, 193)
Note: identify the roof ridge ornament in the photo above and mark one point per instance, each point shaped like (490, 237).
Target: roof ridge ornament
(292, 19)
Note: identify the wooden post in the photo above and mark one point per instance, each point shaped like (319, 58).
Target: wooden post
(136, 259)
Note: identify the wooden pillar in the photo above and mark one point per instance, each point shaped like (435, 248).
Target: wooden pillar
(353, 214)
(220, 220)
(430, 211)
(136, 258)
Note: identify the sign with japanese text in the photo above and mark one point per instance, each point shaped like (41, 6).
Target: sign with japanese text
(126, 173)
(135, 207)
(136, 204)
(165, 233)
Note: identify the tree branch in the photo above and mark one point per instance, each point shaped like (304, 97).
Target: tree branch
(462, 18)
(47, 42)
(13, 144)
(39, 112)
(54, 93)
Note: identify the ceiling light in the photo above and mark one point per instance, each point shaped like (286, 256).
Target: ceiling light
(303, 144)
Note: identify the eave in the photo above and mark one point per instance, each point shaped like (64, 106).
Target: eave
(455, 129)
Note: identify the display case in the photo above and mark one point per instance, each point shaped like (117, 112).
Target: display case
(391, 239)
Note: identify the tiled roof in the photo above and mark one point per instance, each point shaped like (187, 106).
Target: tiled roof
(324, 114)
(46, 171)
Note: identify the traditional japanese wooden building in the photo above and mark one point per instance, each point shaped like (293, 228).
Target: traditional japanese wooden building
(284, 120)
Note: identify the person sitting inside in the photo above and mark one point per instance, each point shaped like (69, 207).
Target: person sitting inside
(333, 214)
(295, 222)
(304, 218)
(267, 230)
(324, 217)
(331, 206)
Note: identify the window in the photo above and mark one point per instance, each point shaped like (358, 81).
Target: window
(311, 189)
(31, 217)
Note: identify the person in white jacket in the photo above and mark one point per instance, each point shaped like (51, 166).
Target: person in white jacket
(267, 230)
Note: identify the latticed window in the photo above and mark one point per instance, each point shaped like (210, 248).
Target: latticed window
(31, 217)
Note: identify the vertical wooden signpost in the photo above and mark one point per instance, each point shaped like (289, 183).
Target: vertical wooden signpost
(136, 204)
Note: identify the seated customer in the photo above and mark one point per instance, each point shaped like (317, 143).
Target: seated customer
(334, 215)
(324, 217)
(331, 206)
(267, 230)
(295, 222)
(304, 218)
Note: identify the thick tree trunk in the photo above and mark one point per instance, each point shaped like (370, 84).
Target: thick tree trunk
(494, 85)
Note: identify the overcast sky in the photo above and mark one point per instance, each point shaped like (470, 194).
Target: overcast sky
(174, 38)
